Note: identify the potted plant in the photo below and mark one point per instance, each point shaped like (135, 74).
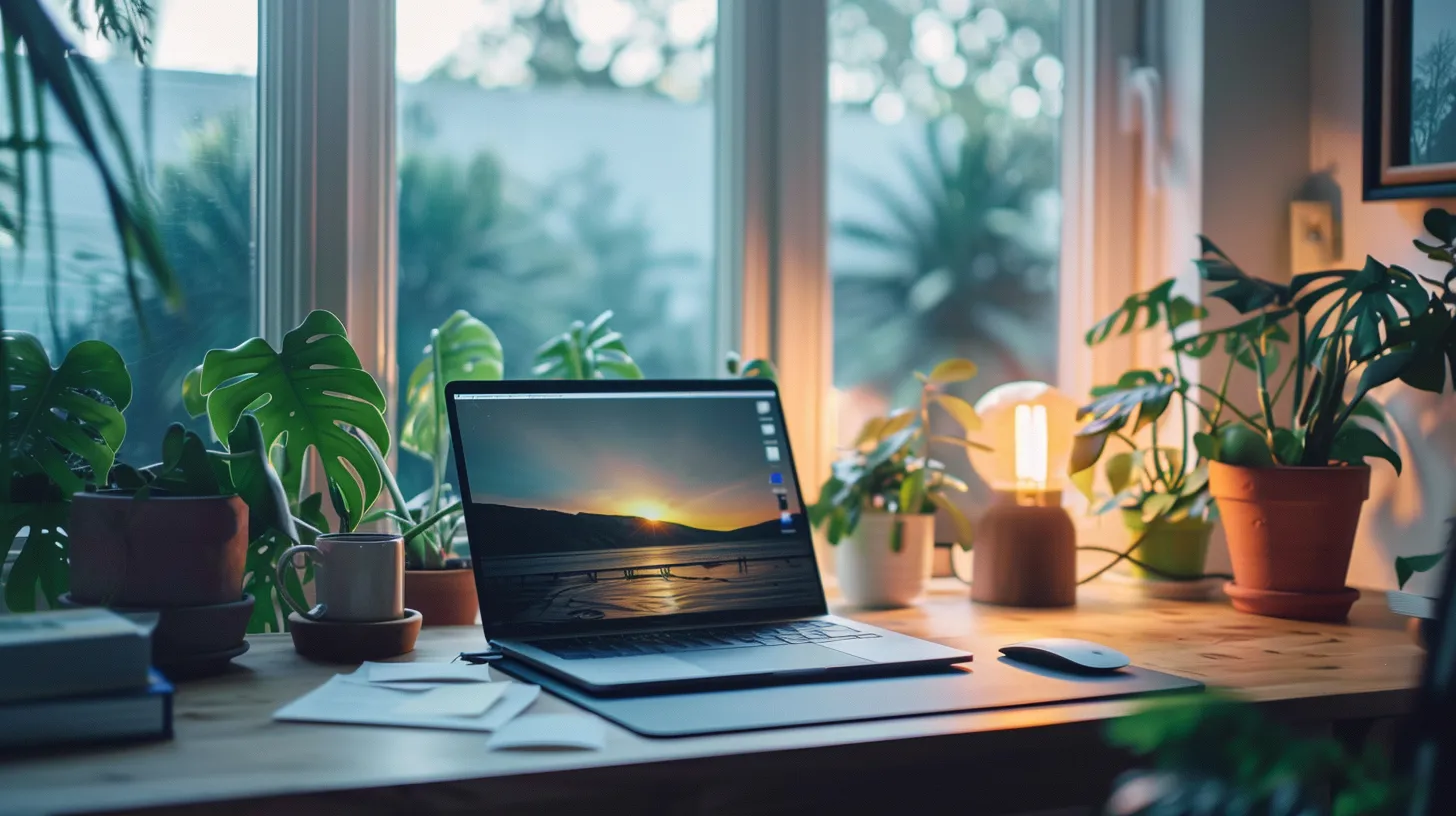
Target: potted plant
(63, 427)
(1290, 488)
(310, 394)
(878, 507)
(1159, 486)
(173, 537)
(437, 584)
(586, 351)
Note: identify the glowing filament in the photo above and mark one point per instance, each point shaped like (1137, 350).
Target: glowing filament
(1031, 447)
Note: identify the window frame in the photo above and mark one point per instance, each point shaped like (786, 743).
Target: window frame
(327, 219)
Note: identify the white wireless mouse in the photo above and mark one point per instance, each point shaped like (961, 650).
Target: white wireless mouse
(1067, 654)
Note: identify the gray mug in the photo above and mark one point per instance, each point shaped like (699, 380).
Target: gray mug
(358, 578)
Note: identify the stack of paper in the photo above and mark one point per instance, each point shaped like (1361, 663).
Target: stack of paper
(414, 695)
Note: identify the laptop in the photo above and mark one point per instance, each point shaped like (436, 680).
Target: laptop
(638, 536)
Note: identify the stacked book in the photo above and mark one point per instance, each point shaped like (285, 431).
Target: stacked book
(78, 675)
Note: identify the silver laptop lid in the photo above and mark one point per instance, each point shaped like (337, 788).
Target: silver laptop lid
(592, 506)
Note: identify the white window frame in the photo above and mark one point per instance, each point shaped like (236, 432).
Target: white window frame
(327, 176)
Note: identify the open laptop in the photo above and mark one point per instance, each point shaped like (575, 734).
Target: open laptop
(631, 536)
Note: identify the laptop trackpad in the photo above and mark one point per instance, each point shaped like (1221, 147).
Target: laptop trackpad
(770, 659)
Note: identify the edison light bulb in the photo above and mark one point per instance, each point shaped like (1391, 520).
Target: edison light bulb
(1029, 426)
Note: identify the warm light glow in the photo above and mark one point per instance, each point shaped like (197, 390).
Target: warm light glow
(1031, 447)
(647, 508)
(1029, 426)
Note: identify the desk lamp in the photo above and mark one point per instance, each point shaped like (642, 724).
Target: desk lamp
(1026, 547)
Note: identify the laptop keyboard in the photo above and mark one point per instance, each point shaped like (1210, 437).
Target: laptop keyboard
(695, 640)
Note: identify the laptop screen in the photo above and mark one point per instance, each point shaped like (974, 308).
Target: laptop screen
(588, 508)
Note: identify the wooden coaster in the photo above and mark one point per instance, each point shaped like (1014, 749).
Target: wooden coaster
(337, 642)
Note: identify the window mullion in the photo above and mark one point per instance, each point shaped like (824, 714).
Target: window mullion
(327, 172)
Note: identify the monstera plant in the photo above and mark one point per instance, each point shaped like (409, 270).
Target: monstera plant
(312, 394)
(63, 428)
(438, 586)
(586, 351)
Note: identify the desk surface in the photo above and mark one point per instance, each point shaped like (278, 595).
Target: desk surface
(228, 749)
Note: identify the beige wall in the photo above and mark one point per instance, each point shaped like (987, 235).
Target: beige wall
(1403, 516)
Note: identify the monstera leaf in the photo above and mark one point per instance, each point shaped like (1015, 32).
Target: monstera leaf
(306, 396)
(1146, 310)
(42, 563)
(59, 414)
(586, 351)
(463, 348)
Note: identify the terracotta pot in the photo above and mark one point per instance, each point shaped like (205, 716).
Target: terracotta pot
(1290, 533)
(1176, 548)
(159, 552)
(444, 597)
(873, 576)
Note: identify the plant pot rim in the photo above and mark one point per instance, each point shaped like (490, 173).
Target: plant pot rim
(1294, 468)
(130, 495)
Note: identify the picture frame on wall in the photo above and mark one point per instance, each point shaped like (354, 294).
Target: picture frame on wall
(1410, 99)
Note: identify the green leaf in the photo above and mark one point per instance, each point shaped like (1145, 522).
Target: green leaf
(1207, 446)
(961, 411)
(1119, 470)
(1243, 446)
(1157, 505)
(897, 535)
(1146, 392)
(760, 369)
(1441, 224)
(965, 533)
(468, 350)
(193, 402)
(1244, 292)
(308, 395)
(42, 566)
(1353, 442)
(586, 352)
(1141, 310)
(73, 410)
(952, 371)
(1288, 446)
(897, 422)
(1086, 450)
(912, 492)
(1408, 565)
(255, 481)
(1084, 480)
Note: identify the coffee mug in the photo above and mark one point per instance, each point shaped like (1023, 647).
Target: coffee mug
(359, 577)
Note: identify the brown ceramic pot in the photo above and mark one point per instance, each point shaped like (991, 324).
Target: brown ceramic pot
(444, 597)
(157, 553)
(1290, 533)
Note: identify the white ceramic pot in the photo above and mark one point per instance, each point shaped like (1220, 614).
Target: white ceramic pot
(873, 576)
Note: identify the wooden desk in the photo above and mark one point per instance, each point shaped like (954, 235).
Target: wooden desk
(228, 750)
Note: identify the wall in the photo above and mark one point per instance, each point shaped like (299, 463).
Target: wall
(1404, 516)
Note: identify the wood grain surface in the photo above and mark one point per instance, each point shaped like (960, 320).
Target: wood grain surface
(228, 750)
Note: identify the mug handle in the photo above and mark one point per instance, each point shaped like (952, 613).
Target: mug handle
(285, 562)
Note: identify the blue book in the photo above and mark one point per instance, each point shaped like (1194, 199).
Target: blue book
(130, 715)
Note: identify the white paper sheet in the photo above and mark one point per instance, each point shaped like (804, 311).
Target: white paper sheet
(538, 731)
(346, 700)
(426, 672)
(454, 700)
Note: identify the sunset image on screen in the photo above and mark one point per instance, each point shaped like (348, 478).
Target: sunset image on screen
(607, 507)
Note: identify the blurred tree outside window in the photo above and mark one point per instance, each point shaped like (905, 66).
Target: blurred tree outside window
(944, 202)
(555, 160)
(189, 118)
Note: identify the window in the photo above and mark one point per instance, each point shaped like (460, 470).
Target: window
(556, 159)
(943, 198)
(188, 117)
